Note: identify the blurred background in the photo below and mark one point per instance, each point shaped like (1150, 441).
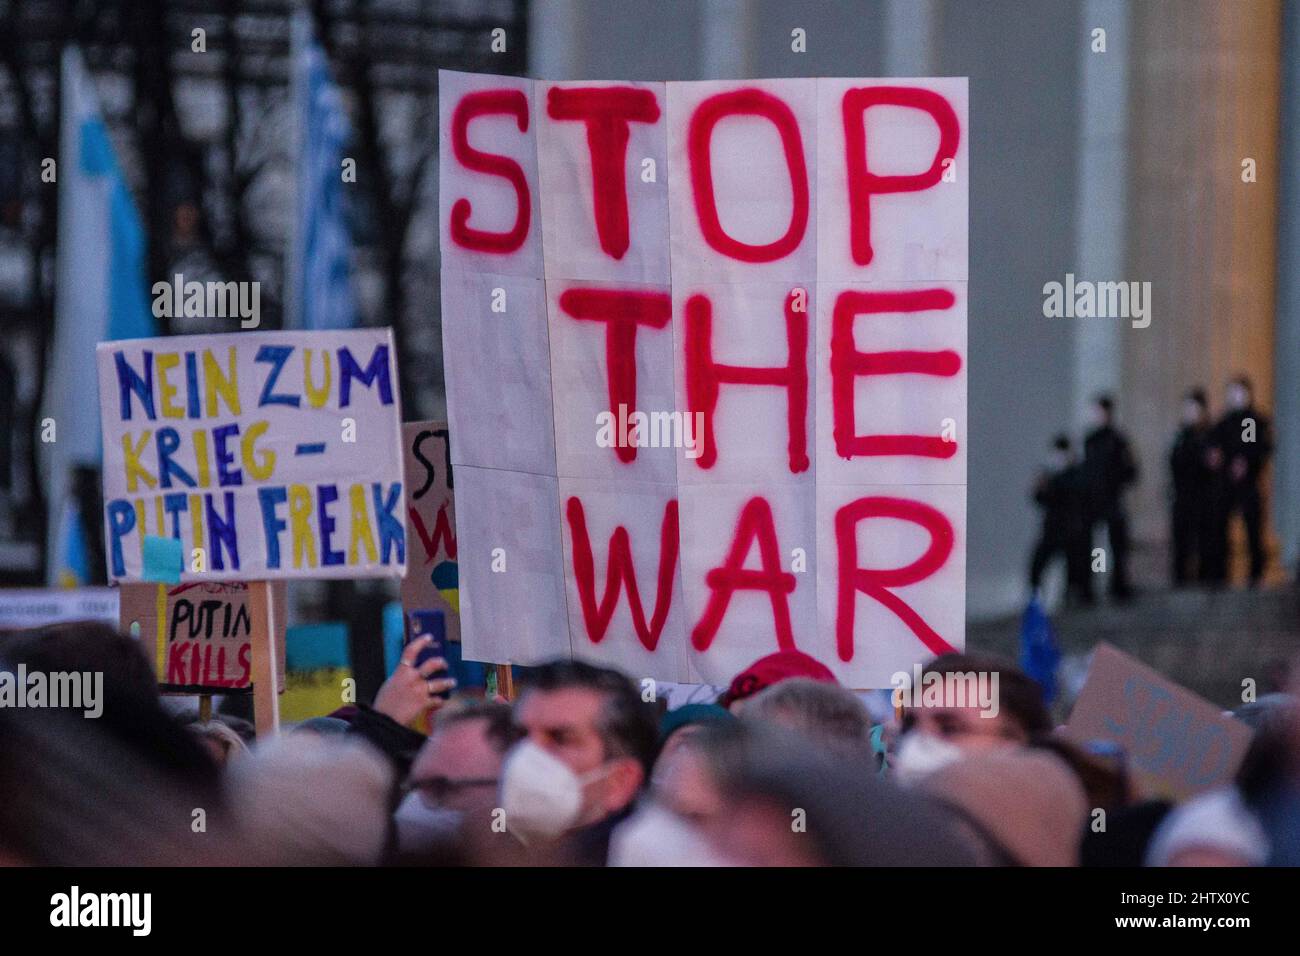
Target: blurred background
(1149, 141)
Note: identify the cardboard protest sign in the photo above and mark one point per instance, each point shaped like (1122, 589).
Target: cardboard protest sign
(36, 607)
(266, 454)
(203, 633)
(1176, 743)
(705, 350)
(432, 579)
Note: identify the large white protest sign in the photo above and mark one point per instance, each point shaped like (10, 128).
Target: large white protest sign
(705, 351)
(266, 454)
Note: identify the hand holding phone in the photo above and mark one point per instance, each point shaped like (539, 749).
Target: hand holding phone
(430, 624)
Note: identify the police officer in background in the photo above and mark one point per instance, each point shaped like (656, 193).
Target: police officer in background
(1193, 502)
(1109, 468)
(1239, 447)
(1059, 491)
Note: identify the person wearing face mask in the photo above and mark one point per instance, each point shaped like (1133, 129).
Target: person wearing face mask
(1109, 468)
(588, 744)
(454, 778)
(1060, 493)
(1190, 507)
(931, 737)
(1239, 448)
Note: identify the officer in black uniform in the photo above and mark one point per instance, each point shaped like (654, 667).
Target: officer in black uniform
(1109, 468)
(1240, 445)
(1059, 491)
(1192, 480)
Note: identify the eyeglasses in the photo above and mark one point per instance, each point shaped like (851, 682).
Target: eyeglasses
(440, 788)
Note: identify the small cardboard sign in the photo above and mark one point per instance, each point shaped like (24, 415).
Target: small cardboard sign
(203, 633)
(432, 574)
(1176, 743)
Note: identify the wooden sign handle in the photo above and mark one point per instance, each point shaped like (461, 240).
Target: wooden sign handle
(505, 681)
(266, 697)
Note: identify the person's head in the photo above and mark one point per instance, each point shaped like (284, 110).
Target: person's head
(221, 741)
(312, 800)
(769, 670)
(1099, 768)
(76, 795)
(129, 705)
(588, 744)
(783, 803)
(1127, 835)
(1019, 806)
(459, 766)
(1269, 763)
(454, 778)
(1214, 828)
(1240, 394)
(671, 826)
(686, 779)
(827, 715)
(323, 727)
(1061, 456)
(1018, 716)
(1103, 410)
(1196, 408)
(680, 724)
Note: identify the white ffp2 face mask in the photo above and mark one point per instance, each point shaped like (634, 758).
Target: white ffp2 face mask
(541, 796)
(420, 826)
(655, 836)
(920, 754)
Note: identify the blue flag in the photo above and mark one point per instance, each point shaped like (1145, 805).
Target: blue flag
(319, 294)
(1039, 655)
(101, 293)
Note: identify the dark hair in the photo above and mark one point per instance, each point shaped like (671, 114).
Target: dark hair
(500, 731)
(853, 817)
(78, 795)
(1018, 694)
(88, 646)
(1104, 785)
(1061, 442)
(133, 713)
(826, 714)
(1197, 395)
(1267, 763)
(1244, 382)
(627, 724)
(1106, 403)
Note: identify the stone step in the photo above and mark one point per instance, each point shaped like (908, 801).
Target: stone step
(1208, 641)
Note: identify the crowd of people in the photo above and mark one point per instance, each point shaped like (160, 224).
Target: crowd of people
(1216, 470)
(585, 766)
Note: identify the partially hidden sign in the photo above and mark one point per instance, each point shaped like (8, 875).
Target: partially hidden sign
(1175, 743)
(266, 454)
(432, 580)
(705, 348)
(201, 634)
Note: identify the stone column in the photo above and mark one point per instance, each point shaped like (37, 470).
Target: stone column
(1204, 98)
